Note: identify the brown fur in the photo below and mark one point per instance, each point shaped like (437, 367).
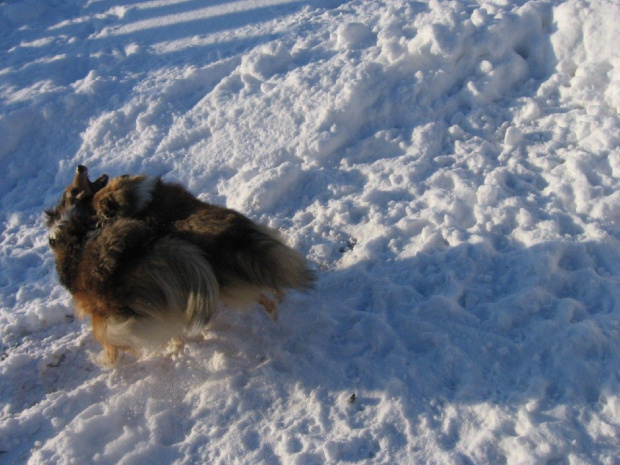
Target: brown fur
(140, 289)
(147, 261)
(80, 189)
(248, 259)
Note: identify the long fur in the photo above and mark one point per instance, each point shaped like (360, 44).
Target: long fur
(147, 261)
(140, 289)
(240, 251)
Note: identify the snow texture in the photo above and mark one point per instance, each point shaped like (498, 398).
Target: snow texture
(451, 169)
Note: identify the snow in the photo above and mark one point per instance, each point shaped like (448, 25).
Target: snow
(451, 169)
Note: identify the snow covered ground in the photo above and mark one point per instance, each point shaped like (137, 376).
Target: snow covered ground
(451, 169)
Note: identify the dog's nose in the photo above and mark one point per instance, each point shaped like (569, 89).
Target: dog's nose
(81, 169)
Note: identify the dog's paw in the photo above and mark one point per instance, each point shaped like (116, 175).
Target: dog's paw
(174, 347)
(105, 359)
(271, 307)
(101, 222)
(279, 296)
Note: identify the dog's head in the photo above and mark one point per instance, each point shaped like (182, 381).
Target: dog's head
(80, 191)
(71, 221)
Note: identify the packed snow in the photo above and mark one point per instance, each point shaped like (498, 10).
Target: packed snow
(450, 169)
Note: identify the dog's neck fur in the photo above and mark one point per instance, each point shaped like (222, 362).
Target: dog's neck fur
(67, 236)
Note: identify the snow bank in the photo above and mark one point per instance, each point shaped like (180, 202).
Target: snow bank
(452, 170)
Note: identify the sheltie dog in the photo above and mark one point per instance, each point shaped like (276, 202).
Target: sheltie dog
(148, 262)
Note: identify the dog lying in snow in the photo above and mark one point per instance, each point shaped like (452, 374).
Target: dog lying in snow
(148, 262)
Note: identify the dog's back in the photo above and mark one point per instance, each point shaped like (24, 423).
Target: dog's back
(238, 249)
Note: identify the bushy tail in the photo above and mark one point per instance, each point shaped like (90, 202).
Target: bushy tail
(170, 291)
(267, 261)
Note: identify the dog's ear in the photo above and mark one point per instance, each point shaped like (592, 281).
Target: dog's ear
(99, 183)
(83, 184)
(50, 216)
(80, 181)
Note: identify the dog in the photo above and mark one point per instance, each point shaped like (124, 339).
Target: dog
(148, 262)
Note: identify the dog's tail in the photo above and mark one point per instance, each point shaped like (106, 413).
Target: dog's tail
(267, 261)
(172, 290)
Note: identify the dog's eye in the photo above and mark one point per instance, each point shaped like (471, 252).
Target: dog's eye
(74, 192)
(52, 242)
